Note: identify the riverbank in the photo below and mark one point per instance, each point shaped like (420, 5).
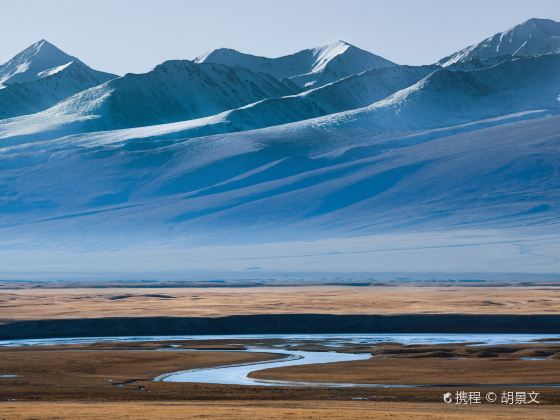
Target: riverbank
(125, 371)
(100, 380)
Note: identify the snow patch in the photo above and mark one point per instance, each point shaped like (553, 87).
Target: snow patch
(54, 70)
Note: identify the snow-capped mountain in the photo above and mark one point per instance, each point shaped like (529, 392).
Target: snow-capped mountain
(530, 38)
(365, 88)
(359, 171)
(308, 68)
(41, 76)
(173, 91)
(37, 95)
(468, 151)
(38, 60)
(76, 115)
(442, 98)
(446, 97)
(353, 92)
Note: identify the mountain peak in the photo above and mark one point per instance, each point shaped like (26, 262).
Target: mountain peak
(44, 42)
(33, 61)
(44, 47)
(546, 25)
(41, 76)
(310, 67)
(337, 47)
(221, 56)
(530, 38)
(339, 43)
(37, 45)
(225, 53)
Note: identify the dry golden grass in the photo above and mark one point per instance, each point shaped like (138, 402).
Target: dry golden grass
(129, 302)
(429, 370)
(59, 374)
(113, 373)
(46, 366)
(273, 410)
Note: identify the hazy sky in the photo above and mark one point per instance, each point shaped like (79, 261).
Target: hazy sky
(134, 35)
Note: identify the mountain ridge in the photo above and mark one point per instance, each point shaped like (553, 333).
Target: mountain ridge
(173, 91)
(453, 164)
(438, 97)
(532, 37)
(308, 68)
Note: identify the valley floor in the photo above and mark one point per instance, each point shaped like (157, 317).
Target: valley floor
(114, 380)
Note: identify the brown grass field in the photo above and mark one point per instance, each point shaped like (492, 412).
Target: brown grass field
(41, 303)
(443, 364)
(273, 410)
(114, 380)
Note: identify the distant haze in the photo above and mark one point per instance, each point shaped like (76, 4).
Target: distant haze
(135, 35)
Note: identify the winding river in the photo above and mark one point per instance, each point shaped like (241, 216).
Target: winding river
(239, 374)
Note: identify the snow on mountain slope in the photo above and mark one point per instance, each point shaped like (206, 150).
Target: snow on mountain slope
(311, 67)
(447, 97)
(363, 89)
(530, 38)
(349, 93)
(59, 84)
(41, 76)
(353, 178)
(443, 98)
(299, 181)
(173, 91)
(450, 165)
(35, 59)
(40, 60)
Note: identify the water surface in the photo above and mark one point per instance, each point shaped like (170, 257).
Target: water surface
(239, 374)
(325, 339)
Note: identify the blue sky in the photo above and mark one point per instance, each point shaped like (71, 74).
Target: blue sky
(134, 35)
